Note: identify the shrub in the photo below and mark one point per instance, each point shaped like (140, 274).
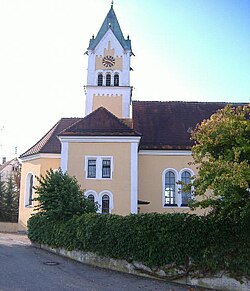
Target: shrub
(60, 197)
(186, 241)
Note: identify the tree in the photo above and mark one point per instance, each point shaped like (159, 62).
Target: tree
(60, 197)
(222, 155)
(2, 194)
(11, 199)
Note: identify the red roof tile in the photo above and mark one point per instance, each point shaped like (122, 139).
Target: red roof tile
(100, 122)
(162, 125)
(167, 125)
(49, 143)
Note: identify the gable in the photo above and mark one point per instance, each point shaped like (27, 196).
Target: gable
(101, 122)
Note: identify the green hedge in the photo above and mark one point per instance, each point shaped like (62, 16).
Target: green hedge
(153, 239)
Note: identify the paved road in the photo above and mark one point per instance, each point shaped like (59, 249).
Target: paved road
(23, 267)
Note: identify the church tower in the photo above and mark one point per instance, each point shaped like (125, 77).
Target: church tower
(108, 81)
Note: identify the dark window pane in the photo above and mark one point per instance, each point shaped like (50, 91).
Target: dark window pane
(116, 80)
(100, 80)
(108, 80)
(91, 198)
(91, 168)
(186, 196)
(170, 188)
(106, 169)
(105, 204)
(30, 190)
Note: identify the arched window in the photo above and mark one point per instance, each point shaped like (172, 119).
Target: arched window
(100, 80)
(91, 197)
(105, 204)
(185, 196)
(108, 80)
(29, 190)
(116, 80)
(170, 189)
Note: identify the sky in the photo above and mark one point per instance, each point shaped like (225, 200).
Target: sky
(185, 50)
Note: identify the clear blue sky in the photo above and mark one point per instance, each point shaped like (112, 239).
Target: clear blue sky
(192, 50)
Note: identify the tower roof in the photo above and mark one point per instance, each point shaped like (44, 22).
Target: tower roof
(110, 22)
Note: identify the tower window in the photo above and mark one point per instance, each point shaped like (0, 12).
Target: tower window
(100, 80)
(108, 80)
(116, 80)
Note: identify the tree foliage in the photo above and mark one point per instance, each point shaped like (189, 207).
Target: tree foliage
(60, 197)
(192, 244)
(9, 199)
(222, 155)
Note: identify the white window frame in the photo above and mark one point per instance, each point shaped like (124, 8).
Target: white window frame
(27, 190)
(92, 192)
(163, 187)
(98, 199)
(180, 190)
(178, 196)
(111, 202)
(99, 160)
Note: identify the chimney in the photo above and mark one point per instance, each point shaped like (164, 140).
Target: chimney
(4, 160)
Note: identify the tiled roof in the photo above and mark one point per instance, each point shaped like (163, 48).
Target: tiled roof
(162, 125)
(49, 143)
(100, 122)
(11, 162)
(110, 22)
(167, 125)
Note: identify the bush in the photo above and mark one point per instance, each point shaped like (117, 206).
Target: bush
(60, 197)
(186, 241)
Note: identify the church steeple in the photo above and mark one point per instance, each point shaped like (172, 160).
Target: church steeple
(110, 22)
(108, 82)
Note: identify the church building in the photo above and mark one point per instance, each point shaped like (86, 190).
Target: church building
(126, 154)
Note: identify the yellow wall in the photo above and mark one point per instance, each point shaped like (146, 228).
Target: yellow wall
(108, 52)
(150, 181)
(113, 103)
(119, 185)
(37, 167)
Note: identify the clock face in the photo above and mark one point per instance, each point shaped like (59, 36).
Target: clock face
(108, 61)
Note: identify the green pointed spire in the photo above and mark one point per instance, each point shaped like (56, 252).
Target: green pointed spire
(110, 22)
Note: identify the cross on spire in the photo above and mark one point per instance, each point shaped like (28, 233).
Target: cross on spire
(112, 3)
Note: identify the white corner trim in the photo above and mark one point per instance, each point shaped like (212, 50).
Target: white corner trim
(64, 156)
(165, 152)
(134, 178)
(100, 139)
(40, 156)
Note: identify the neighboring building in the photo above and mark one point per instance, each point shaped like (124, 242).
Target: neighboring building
(126, 163)
(9, 168)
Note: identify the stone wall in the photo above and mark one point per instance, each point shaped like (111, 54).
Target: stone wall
(8, 227)
(169, 273)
